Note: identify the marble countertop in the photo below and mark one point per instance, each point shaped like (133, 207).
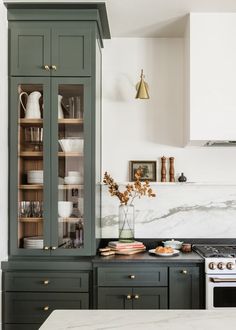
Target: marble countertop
(140, 319)
(146, 257)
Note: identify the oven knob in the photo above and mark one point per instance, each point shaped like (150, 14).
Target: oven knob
(212, 265)
(221, 265)
(230, 265)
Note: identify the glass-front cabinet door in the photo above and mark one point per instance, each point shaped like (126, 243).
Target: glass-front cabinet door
(30, 166)
(71, 166)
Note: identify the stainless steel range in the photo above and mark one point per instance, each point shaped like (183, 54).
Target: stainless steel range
(220, 274)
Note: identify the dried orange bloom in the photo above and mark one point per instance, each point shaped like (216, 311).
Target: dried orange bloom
(137, 189)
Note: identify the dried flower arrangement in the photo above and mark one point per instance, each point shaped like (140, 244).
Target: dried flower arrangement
(137, 189)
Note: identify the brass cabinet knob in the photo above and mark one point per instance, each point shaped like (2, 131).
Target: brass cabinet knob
(54, 67)
(46, 247)
(46, 308)
(129, 297)
(53, 247)
(132, 277)
(184, 271)
(46, 282)
(136, 296)
(46, 67)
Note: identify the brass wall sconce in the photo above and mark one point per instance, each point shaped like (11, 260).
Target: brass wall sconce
(142, 88)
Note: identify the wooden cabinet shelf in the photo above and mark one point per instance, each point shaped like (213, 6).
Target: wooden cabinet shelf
(70, 186)
(30, 122)
(70, 121)
(31, 220)
(71, 219)
(69, 154)
(31, 186)
(33, 154)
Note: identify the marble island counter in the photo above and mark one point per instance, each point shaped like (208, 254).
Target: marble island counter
(140, 319)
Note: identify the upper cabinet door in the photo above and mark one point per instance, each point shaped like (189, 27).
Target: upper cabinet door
(30, 49)
(71, 49)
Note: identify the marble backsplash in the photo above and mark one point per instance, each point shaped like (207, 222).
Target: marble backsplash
(178, 210)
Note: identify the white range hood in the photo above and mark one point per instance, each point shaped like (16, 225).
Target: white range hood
(210, 42)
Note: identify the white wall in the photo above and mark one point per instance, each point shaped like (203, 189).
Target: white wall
(3, 139)
(148, 129)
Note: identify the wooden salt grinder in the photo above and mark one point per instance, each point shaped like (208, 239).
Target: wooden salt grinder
(172, 170)
(163, 169)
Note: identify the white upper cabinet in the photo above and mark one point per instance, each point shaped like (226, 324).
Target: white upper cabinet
(210, 41)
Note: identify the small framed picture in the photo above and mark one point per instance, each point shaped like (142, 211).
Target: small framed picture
(148, 169)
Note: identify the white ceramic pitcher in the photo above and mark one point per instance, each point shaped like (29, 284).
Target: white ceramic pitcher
(32, 109)
(60, 111)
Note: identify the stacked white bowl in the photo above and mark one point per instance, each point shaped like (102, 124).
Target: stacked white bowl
(72, 144)
(35, 242)
(35, 176)
(74, 177)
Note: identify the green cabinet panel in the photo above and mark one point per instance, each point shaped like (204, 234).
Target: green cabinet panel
(29, 49)
(184, 288)
(65, 48)
(150, 298)
(132, 276)
(36, 307)
(114, 298)
(132, 298)
(46, 281)
(71, 49)
(21, 326)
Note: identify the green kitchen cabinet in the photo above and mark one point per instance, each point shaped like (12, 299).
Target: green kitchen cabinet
(184, 287)
(20, 326)
(51, 48)
(132, 298)
(35, 307)
(55, 127)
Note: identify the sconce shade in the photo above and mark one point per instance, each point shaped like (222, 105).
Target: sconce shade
(142, 88)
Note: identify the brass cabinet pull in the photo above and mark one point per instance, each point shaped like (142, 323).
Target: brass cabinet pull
(46, 308)
(53, 247)
(132, 277)
(46, 282)
(46, 67)
(184, 271)
(46, 247)
(136, 296)
(54, 67)
(128, 296)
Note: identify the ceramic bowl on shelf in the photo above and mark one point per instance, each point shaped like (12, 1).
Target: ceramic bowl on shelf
(35, 176)
(72, 145)
(65, 209)
(174, 244)
(73, 180)
(73, 173)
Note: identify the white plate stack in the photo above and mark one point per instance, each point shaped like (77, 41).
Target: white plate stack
(35, 177)
(33, 242)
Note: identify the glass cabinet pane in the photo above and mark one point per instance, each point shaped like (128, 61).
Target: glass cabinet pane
(70, 166)
(30, 166)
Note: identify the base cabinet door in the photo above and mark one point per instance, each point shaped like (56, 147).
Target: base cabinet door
(21, 326)
(35, 307)
(184, 288)
(115, 298)
(150, 298)
(132, 298)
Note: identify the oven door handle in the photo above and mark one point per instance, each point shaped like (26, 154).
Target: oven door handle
(223, 280)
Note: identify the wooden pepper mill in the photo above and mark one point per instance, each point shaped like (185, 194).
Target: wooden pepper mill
(163, 169)
(172, 170)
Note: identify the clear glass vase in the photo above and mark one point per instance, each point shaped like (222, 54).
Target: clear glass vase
(126, 223)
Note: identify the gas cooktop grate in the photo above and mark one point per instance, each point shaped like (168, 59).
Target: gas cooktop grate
(216, 251)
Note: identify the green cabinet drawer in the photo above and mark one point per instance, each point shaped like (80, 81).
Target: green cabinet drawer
(21, 326)
(46, 281)
(33, 307)
(133, 298)
(132, 276)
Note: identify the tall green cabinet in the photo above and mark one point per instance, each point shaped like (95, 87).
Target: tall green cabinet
(55, 149)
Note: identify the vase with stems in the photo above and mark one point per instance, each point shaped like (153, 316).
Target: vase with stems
(126, 223)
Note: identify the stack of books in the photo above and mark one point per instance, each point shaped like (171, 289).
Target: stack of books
(126, 248)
